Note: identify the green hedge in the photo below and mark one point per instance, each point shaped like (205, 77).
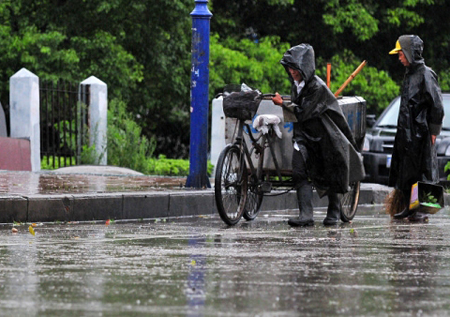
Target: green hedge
(152, 166)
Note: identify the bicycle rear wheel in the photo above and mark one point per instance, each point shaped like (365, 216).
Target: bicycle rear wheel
(349, 202)
(230, 188)
(254, 199)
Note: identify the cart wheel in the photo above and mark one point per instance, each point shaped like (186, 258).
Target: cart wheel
(349, 202)
(254, 199)
(231, 184)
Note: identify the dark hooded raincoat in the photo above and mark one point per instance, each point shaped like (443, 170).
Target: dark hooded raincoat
(321, 131)
(421, 114)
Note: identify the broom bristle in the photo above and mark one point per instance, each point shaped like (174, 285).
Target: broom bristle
(394, 202)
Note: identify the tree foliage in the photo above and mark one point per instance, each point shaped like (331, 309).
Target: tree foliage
(142, 49)
(256, 64)
(346, 32)
(366, 84)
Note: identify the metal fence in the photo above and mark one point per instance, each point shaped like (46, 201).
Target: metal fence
(64, 118)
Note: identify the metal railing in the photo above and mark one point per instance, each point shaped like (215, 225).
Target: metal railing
(64, 118)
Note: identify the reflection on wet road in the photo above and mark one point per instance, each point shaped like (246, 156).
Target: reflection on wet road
(198, 266)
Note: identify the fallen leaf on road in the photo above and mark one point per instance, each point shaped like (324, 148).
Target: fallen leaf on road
(30, 228)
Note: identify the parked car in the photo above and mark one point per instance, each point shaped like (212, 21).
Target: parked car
(379, 142)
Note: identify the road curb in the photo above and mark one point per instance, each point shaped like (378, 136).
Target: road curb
(145, 205)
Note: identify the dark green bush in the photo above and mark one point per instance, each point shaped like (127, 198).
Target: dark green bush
(126, 145)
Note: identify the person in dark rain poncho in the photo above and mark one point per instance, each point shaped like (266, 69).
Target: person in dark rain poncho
(324, 148)
(419, 122)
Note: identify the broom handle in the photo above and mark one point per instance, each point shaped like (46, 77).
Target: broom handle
(328, 74)
(349, 79)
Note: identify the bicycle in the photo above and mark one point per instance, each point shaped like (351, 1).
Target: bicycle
(240, 185)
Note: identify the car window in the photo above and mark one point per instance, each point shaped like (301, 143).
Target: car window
(390, 117)
(446, 123)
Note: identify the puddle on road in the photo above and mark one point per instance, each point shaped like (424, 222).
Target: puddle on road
(198, 266)
(47, 183)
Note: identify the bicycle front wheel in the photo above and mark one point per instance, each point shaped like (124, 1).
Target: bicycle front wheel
(231, 184)
(349, 202)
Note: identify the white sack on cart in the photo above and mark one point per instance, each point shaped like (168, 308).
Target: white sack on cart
(262, 122)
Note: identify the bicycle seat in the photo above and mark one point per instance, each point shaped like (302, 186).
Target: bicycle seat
(264, 122)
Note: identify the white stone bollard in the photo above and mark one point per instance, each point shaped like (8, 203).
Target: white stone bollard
(98, 116)
(24, 112)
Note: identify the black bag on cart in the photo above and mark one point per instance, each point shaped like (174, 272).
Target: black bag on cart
(242, 104)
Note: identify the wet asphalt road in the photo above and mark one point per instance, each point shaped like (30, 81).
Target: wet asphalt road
(200, 267)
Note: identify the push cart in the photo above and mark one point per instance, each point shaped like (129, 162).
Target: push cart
(255, 163)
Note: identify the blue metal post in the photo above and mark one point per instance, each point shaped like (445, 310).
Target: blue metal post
(199, 96)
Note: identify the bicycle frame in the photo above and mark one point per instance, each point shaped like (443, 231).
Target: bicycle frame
(258, 147)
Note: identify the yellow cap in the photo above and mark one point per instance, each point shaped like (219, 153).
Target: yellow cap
(396, 49)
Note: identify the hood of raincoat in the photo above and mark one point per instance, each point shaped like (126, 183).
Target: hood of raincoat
(301, 58)
(412, 47)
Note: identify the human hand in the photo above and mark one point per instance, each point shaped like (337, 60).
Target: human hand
(433, 139)
(277, 99)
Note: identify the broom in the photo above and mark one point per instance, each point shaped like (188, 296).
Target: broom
(394, 202)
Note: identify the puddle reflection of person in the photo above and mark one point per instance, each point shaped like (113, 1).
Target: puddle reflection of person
(414, 266)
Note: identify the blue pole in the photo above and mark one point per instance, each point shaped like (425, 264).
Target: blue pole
(201, 17)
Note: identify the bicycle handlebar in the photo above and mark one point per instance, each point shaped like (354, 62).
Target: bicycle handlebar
(268, 96)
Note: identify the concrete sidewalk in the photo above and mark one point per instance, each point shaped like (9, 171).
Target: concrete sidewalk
(86, 193)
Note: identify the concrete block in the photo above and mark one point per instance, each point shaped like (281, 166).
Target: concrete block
(373, 193)
(145, 205)
(98, 206)
(276, 200)
(291, 200)
(13, 208)
(188, 203)
(446, 199)
(273, 203)
(367, 197)
(45, 208)
(214, 210)
(319, 202)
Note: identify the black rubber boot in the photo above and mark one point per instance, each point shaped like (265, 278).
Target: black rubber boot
(418, 217)
(304, 198)
(404, 213)
(333, 211)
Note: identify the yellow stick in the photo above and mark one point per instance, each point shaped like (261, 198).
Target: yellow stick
(350, 78)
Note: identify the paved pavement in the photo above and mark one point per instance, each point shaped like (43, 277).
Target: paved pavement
(197, 266)
(86, 193)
